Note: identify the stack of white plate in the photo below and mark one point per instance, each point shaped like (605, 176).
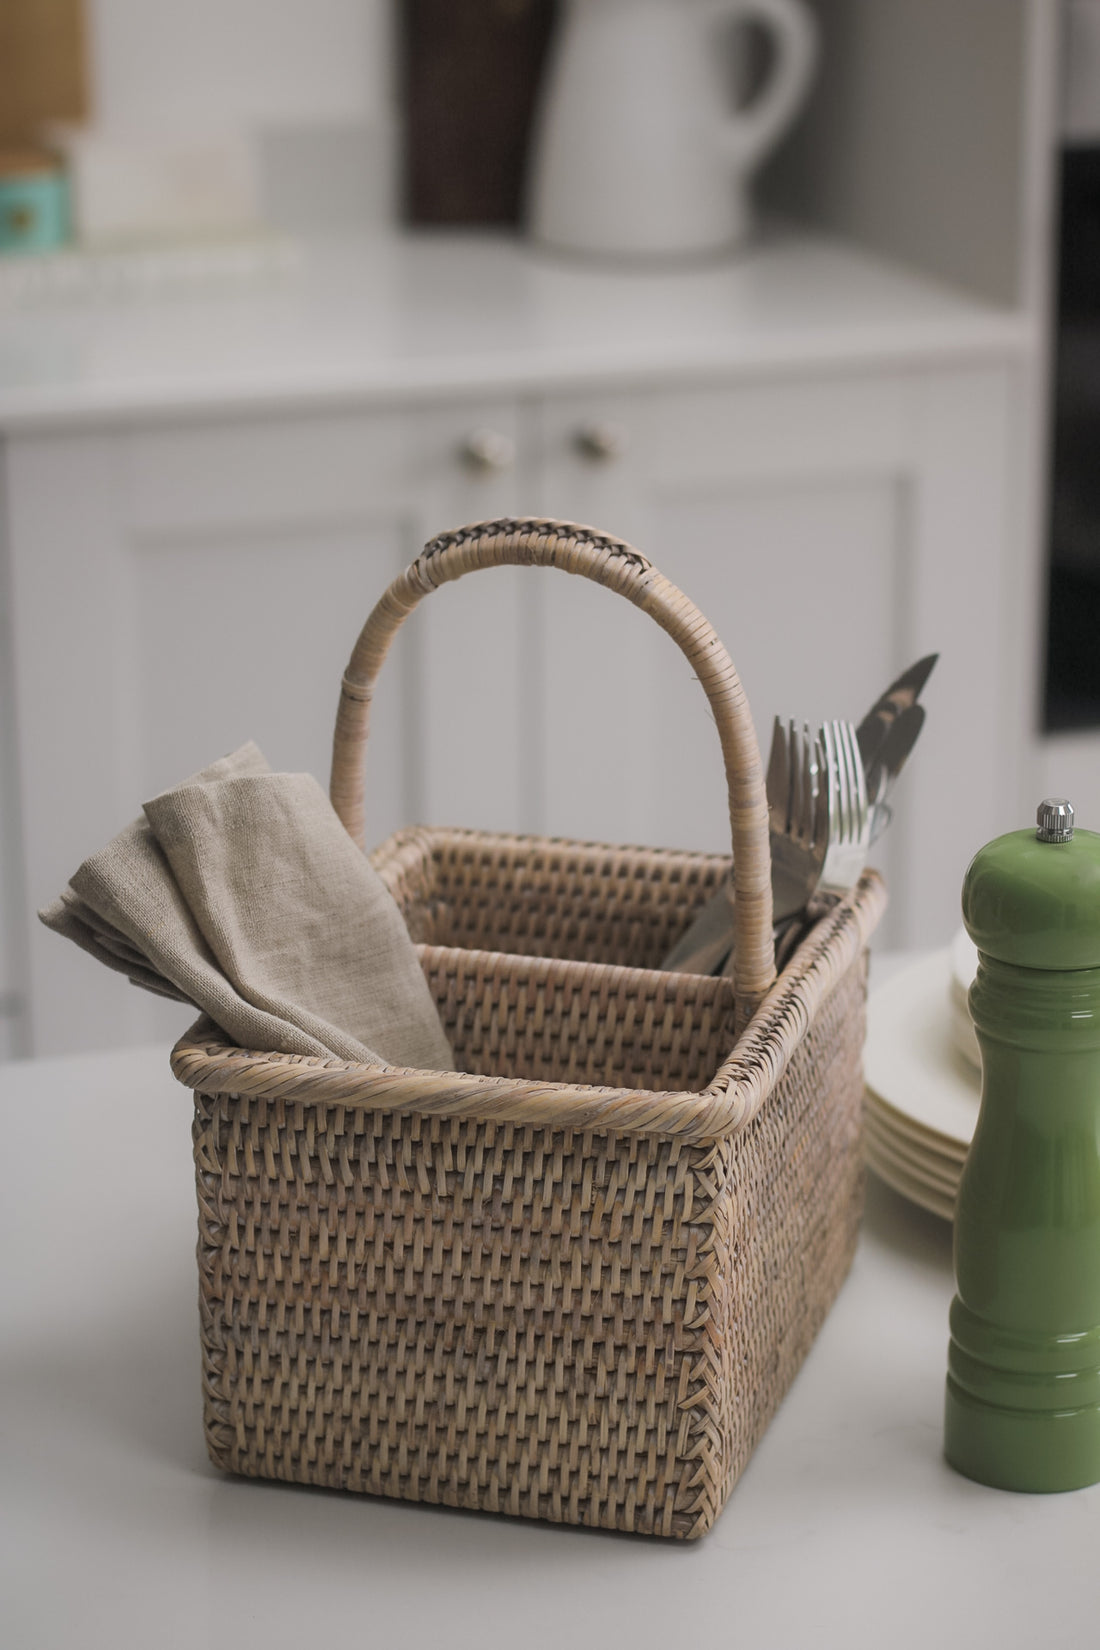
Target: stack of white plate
(922, 1079)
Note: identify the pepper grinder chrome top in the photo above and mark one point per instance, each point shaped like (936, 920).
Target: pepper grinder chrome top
(1023, 1367)
(1054, 820)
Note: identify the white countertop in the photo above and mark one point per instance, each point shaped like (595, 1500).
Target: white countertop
(847, 1529)
(405, 316)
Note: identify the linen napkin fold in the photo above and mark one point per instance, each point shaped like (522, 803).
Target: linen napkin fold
(240, 891)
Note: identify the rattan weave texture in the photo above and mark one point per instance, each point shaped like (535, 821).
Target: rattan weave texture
(573, 1279)
(548, 1322)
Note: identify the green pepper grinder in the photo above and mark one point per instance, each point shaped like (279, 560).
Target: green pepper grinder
(1023, 1371)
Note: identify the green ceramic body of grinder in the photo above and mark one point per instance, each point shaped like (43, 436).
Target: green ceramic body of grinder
(1023, 1381)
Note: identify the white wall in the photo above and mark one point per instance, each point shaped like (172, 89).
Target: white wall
(308, 85)
(187, 66)
(915, 134)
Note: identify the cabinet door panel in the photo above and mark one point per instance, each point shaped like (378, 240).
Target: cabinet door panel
(833, 530)
(820, 427)
(791, 547)
(597, 712)
(470, 636)
(260, 631)
(180, 591)
(224, 473)
(800, 582)
(597, 651)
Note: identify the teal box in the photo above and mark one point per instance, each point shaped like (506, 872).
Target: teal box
(34, 211)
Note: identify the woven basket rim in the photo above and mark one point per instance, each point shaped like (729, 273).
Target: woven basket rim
(437, 837)
(205, 1061)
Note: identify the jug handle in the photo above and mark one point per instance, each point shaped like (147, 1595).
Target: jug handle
(752, 131)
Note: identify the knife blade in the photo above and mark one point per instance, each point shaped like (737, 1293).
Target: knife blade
(899, 696)
(892, 757)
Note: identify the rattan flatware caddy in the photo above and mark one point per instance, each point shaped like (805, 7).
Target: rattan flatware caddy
(574, 1280)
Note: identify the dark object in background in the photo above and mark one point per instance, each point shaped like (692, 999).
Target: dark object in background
(470, 71)
(43, 71)
(1072, 698)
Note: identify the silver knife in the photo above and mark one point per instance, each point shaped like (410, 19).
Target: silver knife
(899, 696)
(893, 753)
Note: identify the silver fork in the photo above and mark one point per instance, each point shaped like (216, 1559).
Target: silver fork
(848, 820)
(820, 821)
(850, 815)
(798, 827)
(819, 828)
(798, 816)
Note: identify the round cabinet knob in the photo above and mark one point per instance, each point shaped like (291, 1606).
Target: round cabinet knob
(487, 451)
(600, 443)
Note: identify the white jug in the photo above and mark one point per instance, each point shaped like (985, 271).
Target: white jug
(637, 152)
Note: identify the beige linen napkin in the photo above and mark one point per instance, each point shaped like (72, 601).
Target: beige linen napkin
(241, 892)
(125, 869)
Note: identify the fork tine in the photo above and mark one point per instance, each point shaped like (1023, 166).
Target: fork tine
(795, 805)
(821, 797)
(833, 778)
(794, 757)
(861, 774)
(854, 812)
(807, 787)
(859, 791)
(859, 782)
(812, 769)
(847, 816)
(777, 786)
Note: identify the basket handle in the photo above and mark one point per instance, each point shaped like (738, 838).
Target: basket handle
(615, 564)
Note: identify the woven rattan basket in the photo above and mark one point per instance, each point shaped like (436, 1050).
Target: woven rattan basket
(573, 1280)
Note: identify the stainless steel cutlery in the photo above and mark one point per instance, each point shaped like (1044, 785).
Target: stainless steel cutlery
(827, 804)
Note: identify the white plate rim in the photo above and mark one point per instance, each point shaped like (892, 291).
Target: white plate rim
(942, 1177)
(935, 1202)
(910, 1062)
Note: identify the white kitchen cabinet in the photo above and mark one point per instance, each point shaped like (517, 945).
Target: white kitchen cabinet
(182, 587)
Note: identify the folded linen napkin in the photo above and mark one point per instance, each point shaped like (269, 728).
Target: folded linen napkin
(240, 891)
